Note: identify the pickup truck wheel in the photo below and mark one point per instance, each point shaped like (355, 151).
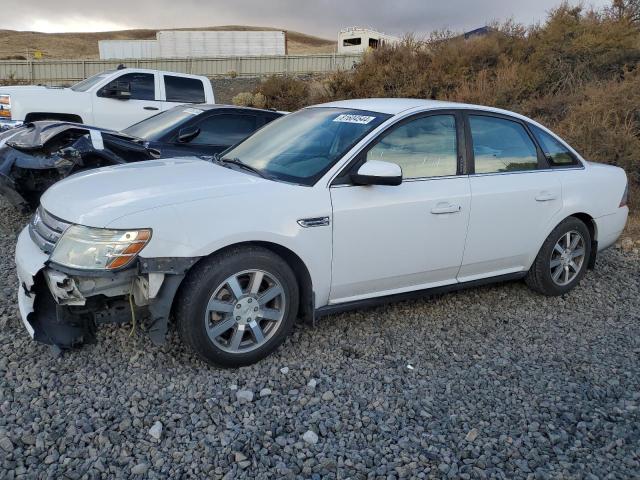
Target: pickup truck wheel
(562, 260)
(237, 307)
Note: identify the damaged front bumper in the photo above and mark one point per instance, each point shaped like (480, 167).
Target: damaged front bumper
(64, 308)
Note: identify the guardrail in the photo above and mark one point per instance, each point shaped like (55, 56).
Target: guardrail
(69, 71)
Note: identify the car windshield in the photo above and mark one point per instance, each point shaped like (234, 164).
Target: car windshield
(303, 146)
(154, 128)
(87, 83)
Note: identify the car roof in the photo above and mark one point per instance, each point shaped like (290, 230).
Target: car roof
(395, 106)
(129, 69)
(205, 107)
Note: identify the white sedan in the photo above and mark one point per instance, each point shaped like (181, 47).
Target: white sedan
(333, 207)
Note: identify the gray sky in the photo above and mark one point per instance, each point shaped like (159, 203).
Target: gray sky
(318, 17)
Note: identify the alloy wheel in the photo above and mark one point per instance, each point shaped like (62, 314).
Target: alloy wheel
(567, 258)
(245, 311)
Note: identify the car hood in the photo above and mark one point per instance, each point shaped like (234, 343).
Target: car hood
(34, 89)
(98, 197)
(36, 135)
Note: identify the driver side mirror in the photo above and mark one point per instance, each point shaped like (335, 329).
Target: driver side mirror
(376, 172)
(185, 135)
(118, 90)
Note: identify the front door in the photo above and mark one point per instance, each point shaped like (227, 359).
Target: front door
(394, 239)
(117, 114)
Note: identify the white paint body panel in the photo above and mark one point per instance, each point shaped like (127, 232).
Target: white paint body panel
(508, 224)
(93, 110)
(375, 226)
(381, 239)
(29, 261)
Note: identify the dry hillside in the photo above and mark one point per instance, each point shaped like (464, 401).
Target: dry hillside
(15, 44)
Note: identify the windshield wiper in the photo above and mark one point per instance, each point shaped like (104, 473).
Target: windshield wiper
(241, 164)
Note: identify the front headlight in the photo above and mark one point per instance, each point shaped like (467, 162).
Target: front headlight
(99, 249)
(5, 106)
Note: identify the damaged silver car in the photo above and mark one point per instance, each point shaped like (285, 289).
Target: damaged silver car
(36, 155)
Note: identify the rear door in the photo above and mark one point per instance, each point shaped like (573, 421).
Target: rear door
(180, 90)
(119, 114)
(393, 239)
(514, 196)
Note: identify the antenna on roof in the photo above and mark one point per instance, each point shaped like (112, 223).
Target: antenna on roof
(122, 66)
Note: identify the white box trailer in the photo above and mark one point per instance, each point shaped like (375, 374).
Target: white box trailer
(219, 43)
(359, 40)
(124, 49)
(197, 44)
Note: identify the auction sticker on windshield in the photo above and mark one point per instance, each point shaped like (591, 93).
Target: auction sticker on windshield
(347, 118)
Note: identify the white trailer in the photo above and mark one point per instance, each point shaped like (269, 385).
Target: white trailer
(197, 44)
(219, 43)
(124, 49)
(359, 40)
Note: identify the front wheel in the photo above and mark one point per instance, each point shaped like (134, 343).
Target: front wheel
(237, 307)
(562, 260)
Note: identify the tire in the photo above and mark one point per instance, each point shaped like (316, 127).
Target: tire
(225, 318)
(544, 275)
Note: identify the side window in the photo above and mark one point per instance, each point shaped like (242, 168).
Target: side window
(224, 129)
(183, 90)
(351, 42)
(501, 145)
(425, 147)
(557, 154)
(142, 85)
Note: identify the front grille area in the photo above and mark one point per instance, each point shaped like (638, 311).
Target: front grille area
(46, 230)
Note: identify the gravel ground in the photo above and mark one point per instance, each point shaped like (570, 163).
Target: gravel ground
(494, 382)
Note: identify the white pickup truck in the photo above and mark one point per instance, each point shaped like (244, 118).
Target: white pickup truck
(114, 99)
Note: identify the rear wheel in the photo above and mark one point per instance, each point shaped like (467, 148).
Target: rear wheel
(562, 260)
(236, 308)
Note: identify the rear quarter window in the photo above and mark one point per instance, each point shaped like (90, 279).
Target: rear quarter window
(557, 154)
(184, 90)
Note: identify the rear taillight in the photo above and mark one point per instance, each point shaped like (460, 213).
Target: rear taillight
(625, 197)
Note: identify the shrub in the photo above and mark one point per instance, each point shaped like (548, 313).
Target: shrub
(259, 101)
(577, 73)
(248, 99)
(605, 125)
(284, 92)
(243, 99)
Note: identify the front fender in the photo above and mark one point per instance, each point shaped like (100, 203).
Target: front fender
(187, 231)
(53, 101)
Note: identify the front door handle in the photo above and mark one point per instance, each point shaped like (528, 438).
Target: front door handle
(546, 197)
(444, 207)
(151, 108)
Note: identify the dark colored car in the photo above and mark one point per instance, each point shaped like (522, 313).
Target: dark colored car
(38, 154)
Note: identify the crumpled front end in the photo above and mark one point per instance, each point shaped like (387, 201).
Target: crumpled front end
(42, 153)
(64, 308)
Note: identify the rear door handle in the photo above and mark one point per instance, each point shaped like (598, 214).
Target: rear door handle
(546, 197)
(151, 108)
(444, 207)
